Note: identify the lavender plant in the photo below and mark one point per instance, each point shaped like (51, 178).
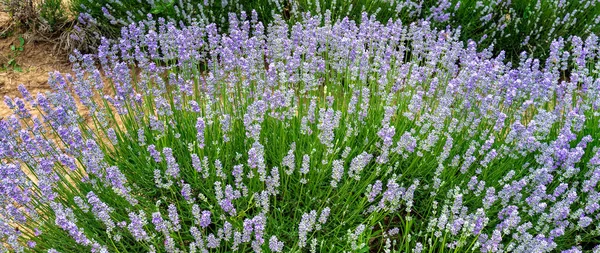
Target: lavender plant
(339, 137)
(518, 26)
(511, 26)
(112, 15)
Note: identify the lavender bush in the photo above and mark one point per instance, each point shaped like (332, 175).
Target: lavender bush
(511, 26)
(519, 25)
(112, 15)
(315, 138)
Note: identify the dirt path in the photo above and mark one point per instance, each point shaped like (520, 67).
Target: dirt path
(31, 68)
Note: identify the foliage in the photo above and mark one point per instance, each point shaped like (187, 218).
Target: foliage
(52, 11)
(23, 12)
(15, 50)
(43, 20)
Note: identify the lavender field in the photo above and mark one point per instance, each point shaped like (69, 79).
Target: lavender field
(326, 134)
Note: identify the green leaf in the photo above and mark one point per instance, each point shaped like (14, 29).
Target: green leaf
(526, 14)
(364, 250)
(12, 47)
(162, 7)
(21, 41)
(155, 11)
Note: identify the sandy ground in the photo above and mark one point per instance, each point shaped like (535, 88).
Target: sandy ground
(36, 61)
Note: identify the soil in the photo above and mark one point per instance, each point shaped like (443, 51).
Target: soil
(33, 64)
